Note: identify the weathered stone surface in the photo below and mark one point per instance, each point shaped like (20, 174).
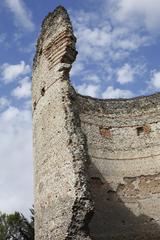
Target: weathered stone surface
(125, 167)
(62, 200)
(110, 147)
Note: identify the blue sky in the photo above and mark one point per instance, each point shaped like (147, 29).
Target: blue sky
(118, 43)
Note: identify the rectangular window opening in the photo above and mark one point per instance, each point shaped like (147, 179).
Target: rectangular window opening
(140, 130)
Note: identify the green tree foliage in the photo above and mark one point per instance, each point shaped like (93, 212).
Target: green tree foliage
(16, 227)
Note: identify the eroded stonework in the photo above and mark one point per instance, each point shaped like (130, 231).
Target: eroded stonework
(63, 204)
(123, 144)
(90, 150)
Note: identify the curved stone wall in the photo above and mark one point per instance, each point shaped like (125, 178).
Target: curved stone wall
(113, 143)
(123, 144)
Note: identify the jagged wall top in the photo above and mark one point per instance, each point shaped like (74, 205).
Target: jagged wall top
(56, 28)
(52, 21)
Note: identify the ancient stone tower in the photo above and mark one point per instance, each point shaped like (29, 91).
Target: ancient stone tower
(89, 151)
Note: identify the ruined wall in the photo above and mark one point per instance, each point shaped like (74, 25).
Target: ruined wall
(62, 200)
(123, 143)
(112, 143)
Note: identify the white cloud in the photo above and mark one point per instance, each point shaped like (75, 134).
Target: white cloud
(101, 37)
(139, 13)
(11, 72)
(92, 78)
(22, 14)
(4, 102)
(155, 80)
(89, 90)
(110, 37)
(16, 192)
(125, 74)
(28, 104)
(92, 35)
(91, 41)
(125, 38)
(116, 93)
(98, 37)
(23, 90)
(77, 68)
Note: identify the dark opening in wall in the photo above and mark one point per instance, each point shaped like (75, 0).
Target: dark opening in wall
(43, 91)
(34, 105)
(140, 130)
(145, 129)
(40, 52)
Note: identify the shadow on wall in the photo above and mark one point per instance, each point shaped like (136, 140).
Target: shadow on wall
(113, 220)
